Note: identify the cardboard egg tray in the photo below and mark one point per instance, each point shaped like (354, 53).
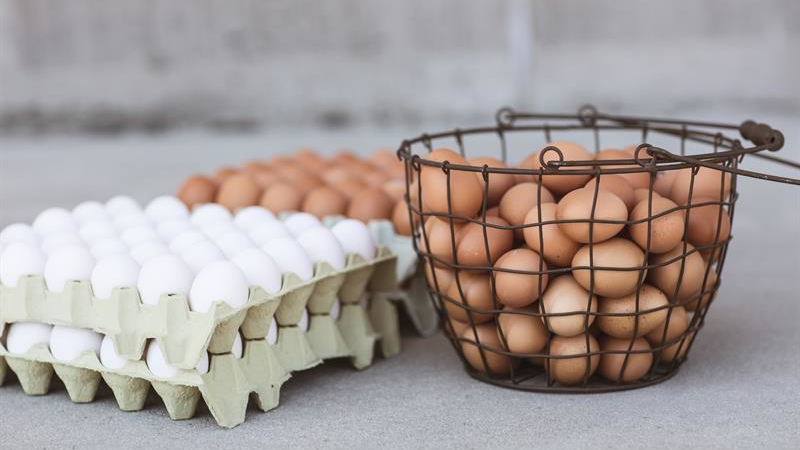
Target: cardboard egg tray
(185, 335)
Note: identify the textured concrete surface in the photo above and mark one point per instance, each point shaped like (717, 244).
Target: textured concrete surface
(739, 388)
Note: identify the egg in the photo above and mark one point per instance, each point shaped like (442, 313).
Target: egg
(92, 232)
(259, 269)
(519, 200)
(282, 197)
(238, 191)
(708, 291)
(209, 213)
(202, 254)
(676, 326)
(470, 296)
(499, 183)
(370, 204)
(438, 278)
(476, 237)
(663, 183)
(265, 178)
(579, 205)
(218, 229)
(618, 186)
(157, 362)
(147, 250)
(171, 228)
(299, 223)
(557, 183)
(322, 246)
(221, 281)
(20, 259)
(89, 211)
(465, 194)
(114, 272)
(454, 328)
(121, 205)
(626, 319)
(164, 274)
(624, 262)
(126, 221)
(518, 290)
(165, 207)
(52, 220)
(196, 190)
(708, 225)
(108, 247)
(24, 335)
(222, 174)
(495, 363)
(268, 230)
(553, 244)
(568, 307)
(290, 257)
(233, 242)
(67, 343)
(186, 239)
(247, 218)
(324, 201)
(708, 183)
(60, 239)
(395, 189)
(335, 175)
(641, 195)
(354, 237)
(668, 270)
(523, 331)
(666, 231)
(611, 364)
(400, 218)
(375, 179)
(637, 180)
(440, 240)
(140, 234)
(569, 361)
(109, 357)
(18, 232)
(349, 187)
(66, 264)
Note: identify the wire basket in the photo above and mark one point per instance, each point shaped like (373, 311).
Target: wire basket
(581, 315)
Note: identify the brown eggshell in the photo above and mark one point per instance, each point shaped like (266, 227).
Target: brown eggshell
(400, 218)
(455, 327)
(559, 184)
(496, 363)
(563, 296)
(666, 277)
(439, 277)
(518, 290)
(324, 201)
(465, 190)
(705, 222)
(641, 195)
(498, 183)
(637, 180)
(569, 371)
(611, 364)
(615, 253)
(395, 189)
(524, 332)
(663, 183)
(439, 240)
(383, 157)
(666, 231)
(707, 184)
(618, 185)
(281, 197)
(253, 166)
(302, 181)
(265, 178)
(196, 190)
(472, 247)
(374, 178)
(518, 201)
(650, 299)
(238, 191)
(344, 155)
(577, 205)
(676, 324)
(370, 204)
(223, 174)
(349, 188)
(558, 248)
(470, 296)
(335, 175)
(708, 293)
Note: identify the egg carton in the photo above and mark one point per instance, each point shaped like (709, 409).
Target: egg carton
(184, 336)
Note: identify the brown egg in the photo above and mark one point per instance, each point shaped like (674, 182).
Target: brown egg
(472, 247)
(265, 178)
(302, 181)
(466, 195)
(650, 299)
(375, 178)
(383, 157)
(496, 363)
(638, 179)
(396, 170)
(558, 248)
(518, 290)
(196, 190)
(493, 211)
(438, 239)
(580, 366)
(611, 364)
(439, 278)
(666, 277)
(577, 205)
(335, 175)
(707, 184)
(253, 166)
(498, 183)
(663, 183)
(344, 155)
(349, 188)
(676, 325)
(474, 291)
(705, 222)
(616, 253)
(281, 197)
(564, 296)
(557, 183)
(518, 201)
(324, 201)
(666, 231)
(370, 204)
(223, 174)
(709, 292)
(238, 191)
(400, 218)
(641, 195)
(524, 332)
(618, 185)
(395, 189)
(455, 327)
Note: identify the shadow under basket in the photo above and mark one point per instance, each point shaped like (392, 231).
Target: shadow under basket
(603, 280)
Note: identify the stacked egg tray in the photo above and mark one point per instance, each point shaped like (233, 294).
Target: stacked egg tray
(186, 335)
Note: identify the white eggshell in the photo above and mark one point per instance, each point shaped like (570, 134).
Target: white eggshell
(268, 230)
(138, 234)
(210, 213)
(259, 269)
(112, 272)
(145, 251)
(221, 281)
(203, 365)
(20, 259)
(92, 232)
(272, 332)
(171, 228)
(108, 247)
(354, 237)
(54, 219)
(18, 232)
(122, 205)
(163, 274)
(238, 346)
(303, 323)
(290, 257)
(90, 211)
(109, 356)
(247, 218)
(233, 243)
(298, 223)
(66, 264)
(24, 335)
(60, 239)
(157, 362)
(322, 246)
(217, 229)
(132, 220)
(182, 241)
(67, 343)
(336, 310)
(201, 254)
(165, 207)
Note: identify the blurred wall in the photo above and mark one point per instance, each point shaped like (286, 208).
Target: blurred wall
(111, 65)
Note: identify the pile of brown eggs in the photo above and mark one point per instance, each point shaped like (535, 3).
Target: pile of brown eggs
(537, 284)
(345, 184)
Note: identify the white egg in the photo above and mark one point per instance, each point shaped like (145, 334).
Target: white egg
(54, 219)
(122, 205)
(247, 218)
(166, 207)
(322, 246)
(354, 237)
(108, 247)
(18, 232)
(201, 254)
(168, 229)
(182, 241)
(113, 272)
(67, 264)
(60, 239)
(221, 281)
(290, 257)
(138, 234)
(67, 343)
(157, 362)
(164, 274)
(233, 243)
(90, 211)
(259, 269)
(238, 346)
(146, 251)
(336, 309)
(20, 259)
(131, 220)
(268, 230)
(210, 213)
(24, 335)
(217, 229)
(92, 232)
(109, 356)
(299, 223)
(203, 365)
(303, 323)
(272, 332)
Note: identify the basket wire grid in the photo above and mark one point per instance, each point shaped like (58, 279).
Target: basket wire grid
(725, 156)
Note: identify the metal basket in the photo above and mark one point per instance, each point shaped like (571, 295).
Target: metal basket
(529, 371)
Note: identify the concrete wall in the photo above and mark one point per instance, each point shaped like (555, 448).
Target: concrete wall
(110, 65)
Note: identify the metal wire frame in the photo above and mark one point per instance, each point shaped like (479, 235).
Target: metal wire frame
(726, 155)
